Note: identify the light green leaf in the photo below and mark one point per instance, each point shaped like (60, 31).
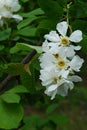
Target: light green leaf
(18, 89)
(15, 49)
(10, 97)
(24, 46)
(29, 47)
(10, 115)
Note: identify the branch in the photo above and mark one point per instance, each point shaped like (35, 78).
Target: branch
(24, 61)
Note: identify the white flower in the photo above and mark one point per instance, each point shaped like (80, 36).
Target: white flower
(59, 61)
(57, 82)
(63, 39)
(52, 76)
(53, 48)
(7, 8)
(61, 89)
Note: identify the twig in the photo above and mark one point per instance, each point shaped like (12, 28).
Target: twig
(24, 61)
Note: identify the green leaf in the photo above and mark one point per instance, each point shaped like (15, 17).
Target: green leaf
(14, 68)
(35, 12)
(27, 81)
(27, 31)
(51, 108)
(15, 49)
(52, 9)
(2, 47)
(78, 10)
(10, 97)
(47, 25)
(10, 115)
(5, 34)
(26, 22)
(29, 47)
(83, 43)
(63, 3)
(18, 89)
(79, 24)
(59, 119)
(34, 121)
(24, 46)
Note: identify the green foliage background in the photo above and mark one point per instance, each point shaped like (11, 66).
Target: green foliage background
(23, 104)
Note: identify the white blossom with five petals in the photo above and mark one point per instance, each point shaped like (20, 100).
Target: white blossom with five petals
(60, 36)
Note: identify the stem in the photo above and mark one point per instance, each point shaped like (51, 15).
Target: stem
(67, 14)
(68, 6)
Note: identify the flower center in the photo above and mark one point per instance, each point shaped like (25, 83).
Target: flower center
(56, 55)
(7, 7)
(61, 63)
(65, 41)
(55, 79)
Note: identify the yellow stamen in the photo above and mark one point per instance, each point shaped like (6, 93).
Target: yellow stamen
(64, 41)
(56, 55)
(55, 79)
(61, 63)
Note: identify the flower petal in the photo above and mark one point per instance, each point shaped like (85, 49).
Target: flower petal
(52, 88)
(62, 90)
(76, 63)
(52, 36)
(17, 17)
(76, 36)
(62, 28)
(53, 94)
(75, 78)
(45, 46)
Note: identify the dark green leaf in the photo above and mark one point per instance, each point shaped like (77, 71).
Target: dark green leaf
(14, 68)
(79, 24)
(2, 47)
(78, 10)
(52, 9)
(34, 121)
(35, 12)
(51, 108)
(26, 22)
(47, 25)
(59, 119)
(5, 34)
(27, 81)
(83, 43)
(27, 31)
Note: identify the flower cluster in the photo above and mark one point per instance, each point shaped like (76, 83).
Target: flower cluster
(7, 8)
(59, 62)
